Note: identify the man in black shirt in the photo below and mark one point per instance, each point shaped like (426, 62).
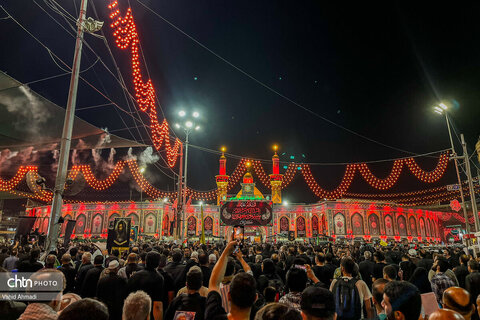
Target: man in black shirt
(320, 270)
(366, 268)
(472, 281)
(190, 301)
(112, 290)
(168, 286)
(379, 265)
(85, 265)
(89, 285)
(176, 269)
(69, 271)
(425, 261)
(150, 281)
(206, 271)
(242, 293)
(461, 272)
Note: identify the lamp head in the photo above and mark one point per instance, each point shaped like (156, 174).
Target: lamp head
(182, 113)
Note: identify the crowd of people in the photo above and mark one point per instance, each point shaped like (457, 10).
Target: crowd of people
(228, 280)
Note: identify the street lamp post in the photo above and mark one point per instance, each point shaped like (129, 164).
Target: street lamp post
(188, 126)
(442, 109)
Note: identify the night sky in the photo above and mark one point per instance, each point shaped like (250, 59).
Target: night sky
(376, 70)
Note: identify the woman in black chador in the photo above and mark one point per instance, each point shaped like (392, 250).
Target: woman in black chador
(121, 235)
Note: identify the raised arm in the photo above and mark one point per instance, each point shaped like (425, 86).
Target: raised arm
(218, 271)
(244, 264)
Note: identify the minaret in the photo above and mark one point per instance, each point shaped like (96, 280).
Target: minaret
(276, 178)
(222, 178)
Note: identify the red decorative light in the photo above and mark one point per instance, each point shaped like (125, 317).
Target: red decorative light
(126, 36)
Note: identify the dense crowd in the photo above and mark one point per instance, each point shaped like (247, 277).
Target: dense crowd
(163, 280)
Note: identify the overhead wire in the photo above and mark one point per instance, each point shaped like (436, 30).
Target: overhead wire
(120, 81)
(270, 88)
(146, 127)
(239, 157)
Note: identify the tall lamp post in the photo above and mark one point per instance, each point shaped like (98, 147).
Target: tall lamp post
(441, 109)
(187, 124)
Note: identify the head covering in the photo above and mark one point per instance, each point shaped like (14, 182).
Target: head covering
(113, 264)
(317, 302)
(412, 252)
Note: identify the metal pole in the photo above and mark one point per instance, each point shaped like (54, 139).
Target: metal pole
(470, 183)
(185, 188)
(57, 201)
(180, 195)
(454, 155)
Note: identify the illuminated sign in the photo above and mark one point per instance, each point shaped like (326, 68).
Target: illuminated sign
(246, 213)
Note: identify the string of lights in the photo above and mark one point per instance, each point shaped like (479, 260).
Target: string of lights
(126, 36)
(238, 173)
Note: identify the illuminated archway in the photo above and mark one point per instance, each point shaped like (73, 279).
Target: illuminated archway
(339, 224)
(357, 224)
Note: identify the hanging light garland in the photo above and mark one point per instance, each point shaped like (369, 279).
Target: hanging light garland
(90, 178)
(416, 197)
(324, 194)
(429, 176)
(289, 174)
(377, 183)
(126, 36)
(15, 180)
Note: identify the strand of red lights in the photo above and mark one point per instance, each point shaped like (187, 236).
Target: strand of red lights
(381, 184)
(289, 174)
(329, 195)
(429, 176)
(126, 36)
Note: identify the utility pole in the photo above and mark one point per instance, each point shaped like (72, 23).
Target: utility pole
(53, 226)
(460, 187)
(470, 183)
(180, 195)
(185, 187)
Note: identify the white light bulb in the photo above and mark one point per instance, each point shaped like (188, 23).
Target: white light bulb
(188, 124)
(196, 114)
(177, 126)
(181, 113)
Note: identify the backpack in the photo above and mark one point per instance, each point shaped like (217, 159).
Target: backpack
(347, 299)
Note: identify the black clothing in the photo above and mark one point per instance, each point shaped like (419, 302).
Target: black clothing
(274, 279)
(207, 272)
(112, 290)
(69, 271)
(167, 287)
(305, 258)
(213, 307)
(366, 271)
(378, 270)
(461, 272)
(149, 281)
(187, 302)
(81, 276)
(89, 285)
(28, 266)
(407, 267)
(131, 268)
(472, 285)
(3, 256)
(176, 271)
(425, 263)
(330, 271)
